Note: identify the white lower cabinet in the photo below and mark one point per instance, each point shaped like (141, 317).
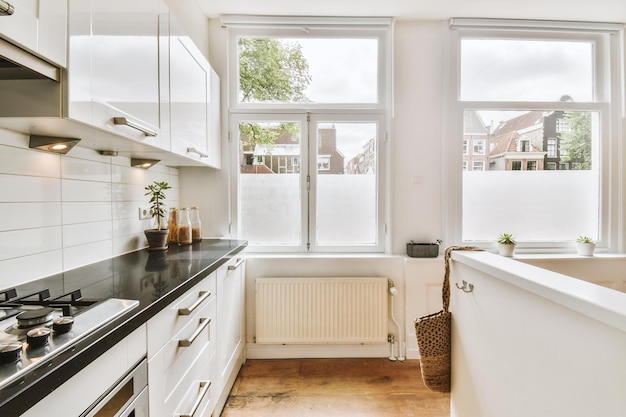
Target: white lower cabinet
(182, 347)
(81, 391)
(195, 346)
(230, 327)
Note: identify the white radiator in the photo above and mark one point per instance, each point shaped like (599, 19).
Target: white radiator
(321, 310)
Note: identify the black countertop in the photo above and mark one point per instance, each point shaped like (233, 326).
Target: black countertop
(155, 279)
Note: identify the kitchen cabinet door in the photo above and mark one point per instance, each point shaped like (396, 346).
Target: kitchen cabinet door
(20, 28)
(124, 70)
(189, 96)
(230, 326)
(38, 26)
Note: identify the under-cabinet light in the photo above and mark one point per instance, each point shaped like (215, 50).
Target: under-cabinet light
(52, 144)
(143, 163)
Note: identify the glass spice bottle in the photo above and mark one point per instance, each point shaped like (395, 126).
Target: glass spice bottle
(184, 227)
(196, 225)
(172, 225)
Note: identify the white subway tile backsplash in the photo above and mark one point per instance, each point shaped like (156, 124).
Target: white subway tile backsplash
(16, 188)
(129, 243)
(73, 190)
(76, 256)
(129, 192)
(83, 169)
(82, 233)
(16, 271)
(15, 216)
(59, 212)
(125, 174)
(84, 212)
(26, 242)
(29, 162)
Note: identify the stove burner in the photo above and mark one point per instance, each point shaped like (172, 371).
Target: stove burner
(35, 317)
(38, 337)
(10, 352)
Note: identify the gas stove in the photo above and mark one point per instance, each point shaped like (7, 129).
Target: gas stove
(35, 327)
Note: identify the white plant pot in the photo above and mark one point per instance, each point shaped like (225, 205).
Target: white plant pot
(506, 250)
(585, 249)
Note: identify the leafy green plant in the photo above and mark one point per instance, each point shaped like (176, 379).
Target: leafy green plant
(157, 197)
(584, 239)
(506, 239)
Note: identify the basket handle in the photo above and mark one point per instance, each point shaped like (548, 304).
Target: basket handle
(445, 291)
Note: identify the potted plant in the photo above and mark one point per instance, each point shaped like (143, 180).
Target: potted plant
(506, 244)
(585, 246)
(157, 237)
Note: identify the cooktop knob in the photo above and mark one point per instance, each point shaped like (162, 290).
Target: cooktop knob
(10, 352)
(38, 337)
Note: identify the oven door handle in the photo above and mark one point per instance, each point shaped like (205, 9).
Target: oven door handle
(203, 295)
(204, 388)
(203, 325)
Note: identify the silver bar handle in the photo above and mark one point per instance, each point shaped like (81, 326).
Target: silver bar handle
(134, 125)
(6, 9)
(187, 342)
(194, 150)
(203, 295)
(204, 388)
(237, 265)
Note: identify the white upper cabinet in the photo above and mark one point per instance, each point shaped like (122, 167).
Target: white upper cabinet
(38, 26)
(114, 67)
(190, 99)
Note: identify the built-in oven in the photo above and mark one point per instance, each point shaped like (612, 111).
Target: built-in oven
(126, 398)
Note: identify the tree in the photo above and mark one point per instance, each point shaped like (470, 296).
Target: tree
(271, 70)
(576, 143)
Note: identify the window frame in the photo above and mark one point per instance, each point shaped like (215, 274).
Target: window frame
(379, 112)
(608, 101)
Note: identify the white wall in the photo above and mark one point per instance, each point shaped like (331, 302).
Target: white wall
(58, 212)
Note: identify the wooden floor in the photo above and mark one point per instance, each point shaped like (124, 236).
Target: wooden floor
(333, 388)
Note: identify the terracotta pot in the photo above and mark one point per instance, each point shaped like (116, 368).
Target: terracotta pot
(157, 238)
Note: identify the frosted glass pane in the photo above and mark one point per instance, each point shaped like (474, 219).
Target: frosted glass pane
(526, 70)
(532, 205)
(269, 183)
(270, 209)
(346, 184)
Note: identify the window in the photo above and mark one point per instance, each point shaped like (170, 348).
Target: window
(479, 166)
(551, 148)
(550, 90)
(524, 145)
(319, 120)
(464, 146)
(479, 147)
(464, 165)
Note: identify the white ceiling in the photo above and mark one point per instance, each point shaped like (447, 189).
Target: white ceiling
(581, 10)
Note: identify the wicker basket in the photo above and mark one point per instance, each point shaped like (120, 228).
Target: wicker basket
(422, 250)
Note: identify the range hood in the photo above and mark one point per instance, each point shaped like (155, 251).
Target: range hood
(18, 64)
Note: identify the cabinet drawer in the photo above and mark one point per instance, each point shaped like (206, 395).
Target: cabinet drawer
(171, 320)
(196, 391)
(169, 366)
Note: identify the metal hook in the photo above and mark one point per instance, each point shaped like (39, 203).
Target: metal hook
(466, 287)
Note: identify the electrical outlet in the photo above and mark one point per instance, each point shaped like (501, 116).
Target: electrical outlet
(144, 212)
